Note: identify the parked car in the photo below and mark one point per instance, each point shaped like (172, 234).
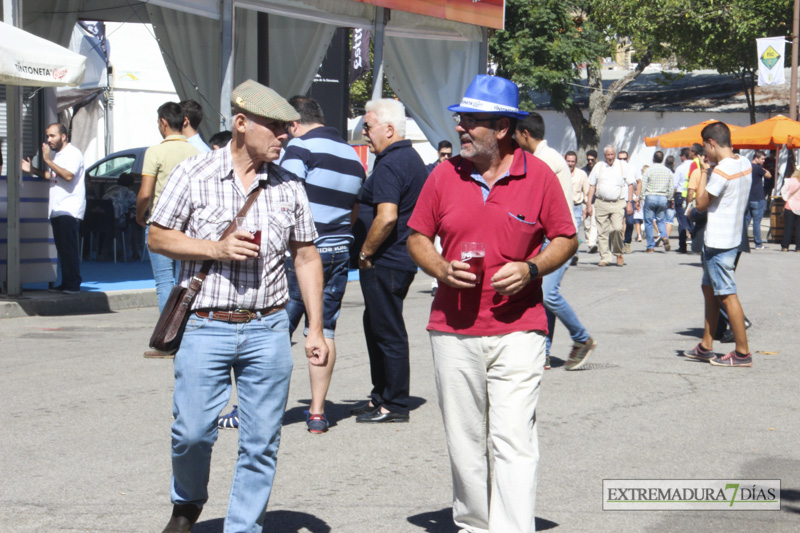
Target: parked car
(107, 171)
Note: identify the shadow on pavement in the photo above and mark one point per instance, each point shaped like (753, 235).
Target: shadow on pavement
(283, 521)
(790, 495)
(336, 412)
(691, 332)
(441, 521)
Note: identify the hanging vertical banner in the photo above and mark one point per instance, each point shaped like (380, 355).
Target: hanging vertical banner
(359, 54)
(770, 60)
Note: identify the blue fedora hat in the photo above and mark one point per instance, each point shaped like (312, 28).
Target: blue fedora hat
(491, 94)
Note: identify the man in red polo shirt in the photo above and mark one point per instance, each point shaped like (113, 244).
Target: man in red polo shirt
(488, 328)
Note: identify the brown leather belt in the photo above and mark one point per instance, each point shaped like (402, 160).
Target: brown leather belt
(238, 316)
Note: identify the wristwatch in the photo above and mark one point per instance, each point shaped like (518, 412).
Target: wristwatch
(533, 269)
(362, 256)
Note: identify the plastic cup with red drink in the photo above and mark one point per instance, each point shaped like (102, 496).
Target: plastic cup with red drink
(474, 253)
(251, 226)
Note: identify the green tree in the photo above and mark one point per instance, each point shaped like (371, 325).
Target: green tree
(722, 36)
(544, 42)
(542, 48)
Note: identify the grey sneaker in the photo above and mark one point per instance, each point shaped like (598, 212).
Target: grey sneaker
(580, 354)
(699, 353)
(666, 244)
(732, 360)
(547, 362)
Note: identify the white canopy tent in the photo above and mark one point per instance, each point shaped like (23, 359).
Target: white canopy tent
(210, 45)
(27, 60)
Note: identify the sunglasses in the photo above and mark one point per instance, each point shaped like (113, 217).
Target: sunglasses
(367, 126)
(468, 121)
(446, 154)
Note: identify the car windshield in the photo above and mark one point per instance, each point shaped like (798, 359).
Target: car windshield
(114, 167)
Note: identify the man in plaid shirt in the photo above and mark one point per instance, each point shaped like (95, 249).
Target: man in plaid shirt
(657, 189)
(238, 321)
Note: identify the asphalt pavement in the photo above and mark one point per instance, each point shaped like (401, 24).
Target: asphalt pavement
(85, 434)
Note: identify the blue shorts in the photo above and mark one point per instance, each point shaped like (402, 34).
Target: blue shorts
(718, 267)
(334, 271)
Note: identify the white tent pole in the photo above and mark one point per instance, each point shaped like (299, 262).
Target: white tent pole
(12, 14)
(227, 65)
(483, 66)
(377, 66)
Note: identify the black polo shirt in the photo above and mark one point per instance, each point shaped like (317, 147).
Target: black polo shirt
(397, 177)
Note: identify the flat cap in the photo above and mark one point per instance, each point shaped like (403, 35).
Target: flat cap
(259, 100)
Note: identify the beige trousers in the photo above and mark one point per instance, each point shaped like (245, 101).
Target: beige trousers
(488, 389)
(609, 217)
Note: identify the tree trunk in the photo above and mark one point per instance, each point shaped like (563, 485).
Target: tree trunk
(588, 132)
(749, 91)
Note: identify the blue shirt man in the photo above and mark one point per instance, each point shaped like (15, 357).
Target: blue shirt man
(333, 175)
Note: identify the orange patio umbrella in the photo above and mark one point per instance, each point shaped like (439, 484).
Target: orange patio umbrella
(685, 137)
(767, 134)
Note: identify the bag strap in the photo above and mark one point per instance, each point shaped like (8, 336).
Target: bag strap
(197, 280)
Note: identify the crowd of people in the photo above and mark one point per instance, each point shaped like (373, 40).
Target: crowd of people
(281, 205)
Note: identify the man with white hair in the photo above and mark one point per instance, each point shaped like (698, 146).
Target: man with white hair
(385, 269)
(608, 181)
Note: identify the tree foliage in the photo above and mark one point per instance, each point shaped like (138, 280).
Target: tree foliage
(544, 42)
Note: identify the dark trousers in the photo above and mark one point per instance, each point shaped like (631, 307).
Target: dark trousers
(66, 231)
(790, 222)
(384, 290)
(630, 222)
(684, 226)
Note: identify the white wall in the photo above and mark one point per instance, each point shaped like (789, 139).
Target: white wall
(626, 130)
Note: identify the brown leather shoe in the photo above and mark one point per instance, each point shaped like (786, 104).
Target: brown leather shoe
(183, 518)
(620, 261)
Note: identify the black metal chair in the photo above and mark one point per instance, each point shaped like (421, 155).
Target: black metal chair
(99, 220)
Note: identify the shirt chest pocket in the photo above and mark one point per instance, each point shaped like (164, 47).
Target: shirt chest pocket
(209, 223)
(518, 237)
(280, 228)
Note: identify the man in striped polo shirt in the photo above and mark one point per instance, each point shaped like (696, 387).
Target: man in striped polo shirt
(333, 174)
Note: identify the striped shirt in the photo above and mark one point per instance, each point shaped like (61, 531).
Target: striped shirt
(729, 185)
(333, 174)
(657, 180)
(201, 198)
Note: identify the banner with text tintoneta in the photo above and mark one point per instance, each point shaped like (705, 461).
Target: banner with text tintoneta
(489, 13)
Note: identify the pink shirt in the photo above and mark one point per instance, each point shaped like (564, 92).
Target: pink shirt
(520, 210)
(791, 187)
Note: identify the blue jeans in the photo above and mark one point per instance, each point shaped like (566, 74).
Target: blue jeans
(577, 213)
(334, 271)
(259, 353)
(384, 290)
(555, 305)
(755, 212)
(165, 272)
(655, 208)
(65, 235)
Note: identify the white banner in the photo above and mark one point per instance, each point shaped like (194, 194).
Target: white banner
(771, 60)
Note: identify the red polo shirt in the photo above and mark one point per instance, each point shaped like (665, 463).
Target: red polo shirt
(521, 209)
